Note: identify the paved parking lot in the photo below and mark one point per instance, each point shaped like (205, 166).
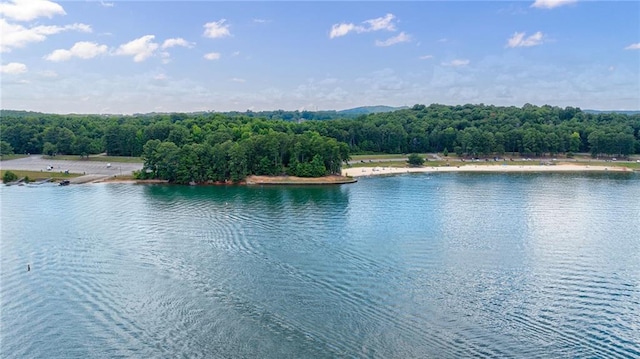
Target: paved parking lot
(37, 163)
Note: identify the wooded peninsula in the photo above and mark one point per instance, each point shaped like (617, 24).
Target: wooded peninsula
(227, 147)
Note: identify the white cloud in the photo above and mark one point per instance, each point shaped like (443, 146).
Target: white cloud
(216, 29)
(168, 43)
(18, 36)
(401, 37)
(13, 68)
(377, 24)
(381, 23)
(426, 57)
(106, 4)
(635, 46)
(236, 79)
(457, 63)
(261, 21)
(212, 56)
(519, 40)
(83, 49)
(160, 77)
(78, 27)
(27, 10)
(141, 48)
(338, 30)
(550, 4)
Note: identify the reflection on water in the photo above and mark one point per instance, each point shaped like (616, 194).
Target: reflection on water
(446, 265)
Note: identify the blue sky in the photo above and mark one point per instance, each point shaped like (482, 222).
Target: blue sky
(145, 56)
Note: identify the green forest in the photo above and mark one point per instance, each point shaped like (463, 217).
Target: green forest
(211, 146)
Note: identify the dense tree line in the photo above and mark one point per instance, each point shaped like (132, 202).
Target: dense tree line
(228, 146)
(476, 130)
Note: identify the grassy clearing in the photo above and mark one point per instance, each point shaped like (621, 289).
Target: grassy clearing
(381, 157)
(96, 158)
(37, 175)
(378, 164)
(11, 157)
(401, 163)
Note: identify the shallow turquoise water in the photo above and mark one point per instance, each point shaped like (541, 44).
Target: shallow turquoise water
(413, 266)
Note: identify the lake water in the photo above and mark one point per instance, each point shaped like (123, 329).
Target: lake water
(412, 266)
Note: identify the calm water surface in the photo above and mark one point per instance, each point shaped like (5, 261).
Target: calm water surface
(442, 266)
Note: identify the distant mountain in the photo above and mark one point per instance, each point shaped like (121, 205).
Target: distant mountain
(595, 112)
(19, 113)
(365, 110)
(280, 114)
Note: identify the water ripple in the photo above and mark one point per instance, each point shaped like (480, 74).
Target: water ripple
(445, 266)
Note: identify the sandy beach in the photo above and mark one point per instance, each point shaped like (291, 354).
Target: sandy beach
(377, 171)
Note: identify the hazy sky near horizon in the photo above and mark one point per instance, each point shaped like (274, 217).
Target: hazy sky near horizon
(166, 56)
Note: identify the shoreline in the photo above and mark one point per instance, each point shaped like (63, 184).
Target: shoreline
(381, 170)
(350, 175)
(249, 181)
(292, 180)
